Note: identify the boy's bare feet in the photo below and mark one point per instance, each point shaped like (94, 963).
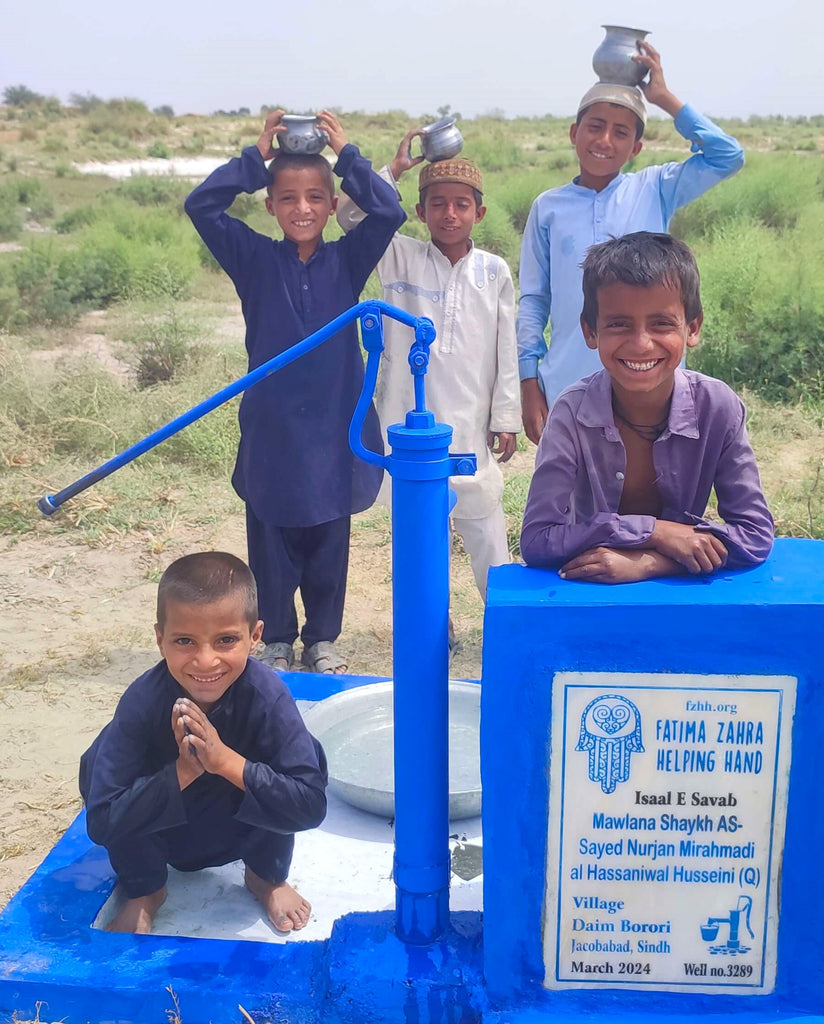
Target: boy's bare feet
(286, 908)
(138, 914)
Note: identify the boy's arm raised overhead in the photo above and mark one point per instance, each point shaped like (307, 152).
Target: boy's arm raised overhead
(348, 213)
(716, 154)
(230, 240)
(366, 242)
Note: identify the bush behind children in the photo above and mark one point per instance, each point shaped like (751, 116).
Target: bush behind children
(206, 760)
(630, 455)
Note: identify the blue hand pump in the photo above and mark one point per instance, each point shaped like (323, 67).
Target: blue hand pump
(420, 465)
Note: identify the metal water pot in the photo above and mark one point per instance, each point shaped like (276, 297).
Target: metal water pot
(441, 140)
(303, 134)
(612, 61)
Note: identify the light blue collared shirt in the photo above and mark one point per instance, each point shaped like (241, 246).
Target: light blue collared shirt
(564, 222)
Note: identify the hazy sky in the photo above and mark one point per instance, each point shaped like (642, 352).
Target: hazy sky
(727, 57)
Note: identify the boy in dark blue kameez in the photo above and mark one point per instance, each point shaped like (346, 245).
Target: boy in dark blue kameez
(206, 760)
(294, 469)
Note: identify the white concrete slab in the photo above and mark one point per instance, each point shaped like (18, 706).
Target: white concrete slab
(343, 866)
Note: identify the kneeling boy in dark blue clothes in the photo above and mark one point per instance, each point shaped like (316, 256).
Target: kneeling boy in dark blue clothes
(207, 759)
(295, 471)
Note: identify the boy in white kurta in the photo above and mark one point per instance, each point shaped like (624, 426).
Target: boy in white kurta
(472, 382)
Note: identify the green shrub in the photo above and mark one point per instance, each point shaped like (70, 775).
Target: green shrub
(159, 150)
(516, 193)
(774, 191)
(21, 192)
(764, 307)
(493, 150)
(163, 345)
(74, 407)
(33, 194)
(496, 233)
(11, 216)
(154, 190)
(194, 146)
(132, 254)
(9, 298)
(79, 217)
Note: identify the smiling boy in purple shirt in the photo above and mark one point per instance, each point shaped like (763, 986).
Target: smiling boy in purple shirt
(630, 454)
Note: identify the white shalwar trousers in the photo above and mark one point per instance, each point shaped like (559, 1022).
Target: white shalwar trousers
(485, 543)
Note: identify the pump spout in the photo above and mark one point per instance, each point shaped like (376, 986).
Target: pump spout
(747, 910)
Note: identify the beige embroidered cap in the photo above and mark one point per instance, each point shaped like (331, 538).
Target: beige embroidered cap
(459, 171)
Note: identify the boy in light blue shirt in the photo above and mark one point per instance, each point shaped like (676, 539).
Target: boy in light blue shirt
(602, 203)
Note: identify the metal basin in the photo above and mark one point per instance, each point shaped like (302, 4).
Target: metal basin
(356, 729)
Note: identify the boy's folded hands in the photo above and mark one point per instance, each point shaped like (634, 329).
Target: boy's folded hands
(617, 565)
(198, 739)
(698, 552)
(673, 548)
(188, 766)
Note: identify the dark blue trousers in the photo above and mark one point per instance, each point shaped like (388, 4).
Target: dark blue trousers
(312, 559)
(211, 836)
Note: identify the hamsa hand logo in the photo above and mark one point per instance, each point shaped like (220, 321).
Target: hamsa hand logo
(610, 733)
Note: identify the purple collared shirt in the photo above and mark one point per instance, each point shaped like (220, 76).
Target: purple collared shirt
(579, 474)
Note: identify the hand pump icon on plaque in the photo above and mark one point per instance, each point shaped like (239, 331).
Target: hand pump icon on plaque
(732, 947)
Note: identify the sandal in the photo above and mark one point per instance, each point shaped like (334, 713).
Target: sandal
(322, 657)
(280, 656)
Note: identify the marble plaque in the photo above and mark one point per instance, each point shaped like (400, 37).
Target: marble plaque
(666, 829)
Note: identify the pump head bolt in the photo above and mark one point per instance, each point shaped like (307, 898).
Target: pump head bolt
(464, 467)
(425, 331)
(369, 323)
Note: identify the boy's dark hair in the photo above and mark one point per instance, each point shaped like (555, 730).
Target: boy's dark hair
(639, 124)
(206, 577)
(642, 259)
(476, 195)
(300, 162)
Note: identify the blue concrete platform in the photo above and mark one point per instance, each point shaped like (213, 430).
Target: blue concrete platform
(765, 621)
(488, 970)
